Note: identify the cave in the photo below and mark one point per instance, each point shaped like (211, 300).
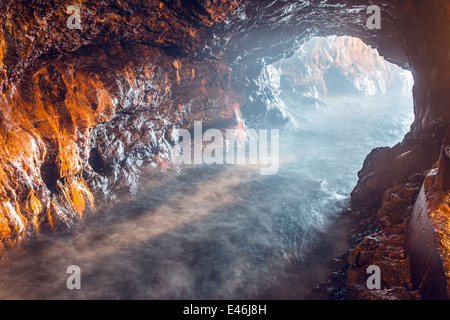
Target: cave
(94, 96)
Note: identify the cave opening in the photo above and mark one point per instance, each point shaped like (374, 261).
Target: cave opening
(336, 99)
(227, 232)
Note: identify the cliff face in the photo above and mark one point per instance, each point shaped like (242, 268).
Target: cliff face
(340, 66)
(325, 68)
(85, 112)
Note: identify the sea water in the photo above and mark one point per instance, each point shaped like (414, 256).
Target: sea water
(222, 231)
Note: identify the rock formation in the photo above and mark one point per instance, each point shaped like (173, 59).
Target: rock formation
(85, 111)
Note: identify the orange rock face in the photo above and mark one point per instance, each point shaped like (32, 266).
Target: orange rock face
(58, 84)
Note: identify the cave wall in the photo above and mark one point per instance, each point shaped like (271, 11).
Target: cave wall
(84, 112)
(427, 241)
